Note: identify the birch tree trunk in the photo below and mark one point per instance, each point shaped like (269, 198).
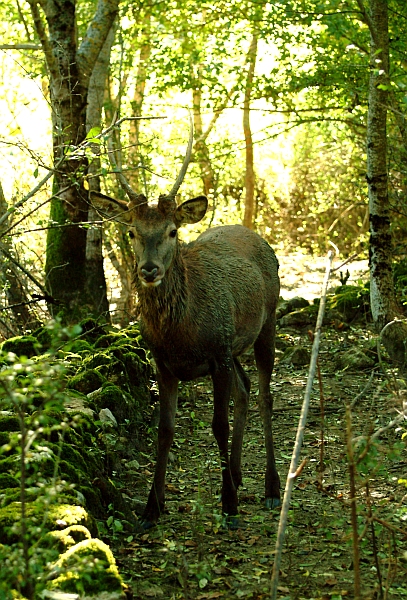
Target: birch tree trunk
(249, 208)
(382, 294)
(136, 177)
(95, 276)
(69, 71)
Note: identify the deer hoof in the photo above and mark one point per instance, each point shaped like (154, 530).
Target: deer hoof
(271, 503)
(146, 525)
(232, 522)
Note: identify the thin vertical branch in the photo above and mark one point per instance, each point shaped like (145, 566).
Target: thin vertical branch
(374, 541)
(352, 494)
(294, 470)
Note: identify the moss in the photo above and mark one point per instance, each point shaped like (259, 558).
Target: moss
(66, 538)
(91, 330)
(44, 337)
(8, 481)
(4, 438)
(105, 341)
(80, 346)
(93, 501)
(67, 514)
(9, 423)
(70, 455)
(87, 567)
(22, 345)
(352, 301)
(10, 463)
(87, 381)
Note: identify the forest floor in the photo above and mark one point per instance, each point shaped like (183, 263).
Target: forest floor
(189, 555)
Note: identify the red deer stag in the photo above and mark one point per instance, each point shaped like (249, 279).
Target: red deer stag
(202, 305)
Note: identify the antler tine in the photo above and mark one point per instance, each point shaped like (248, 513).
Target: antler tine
(185, 164)
(134, 198)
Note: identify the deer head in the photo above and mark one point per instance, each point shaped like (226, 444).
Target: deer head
(153, 227)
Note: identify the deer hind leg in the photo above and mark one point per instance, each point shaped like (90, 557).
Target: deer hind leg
(222, 377)
(240, 394)
(264, 351)
(168, 389)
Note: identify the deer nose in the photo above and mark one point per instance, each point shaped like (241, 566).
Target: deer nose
(149, 272)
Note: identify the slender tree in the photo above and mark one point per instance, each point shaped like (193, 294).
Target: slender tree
(69, 70)
(382, 294)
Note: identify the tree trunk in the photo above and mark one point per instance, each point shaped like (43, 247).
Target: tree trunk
(248, 219)
(14, 291)
(382, 294)
(136, 177)
(69, 70)
(201, 150)
(95, 276)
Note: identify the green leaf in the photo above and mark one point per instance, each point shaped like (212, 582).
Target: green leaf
(93, 132)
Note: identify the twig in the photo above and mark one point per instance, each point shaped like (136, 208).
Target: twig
(300, 433)
(322, 418)
(374, 542)
(27, 273)
(353, 509)
(363, 392)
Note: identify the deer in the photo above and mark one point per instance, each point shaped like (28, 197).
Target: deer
(202, 305)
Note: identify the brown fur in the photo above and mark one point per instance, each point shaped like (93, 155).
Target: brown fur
(217, 296)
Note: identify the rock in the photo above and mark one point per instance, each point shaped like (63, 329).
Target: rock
(297, 356)
(21, 345)
(288, 306)
(106, 416)
(354, 360)
(298, 318)
(86, 382)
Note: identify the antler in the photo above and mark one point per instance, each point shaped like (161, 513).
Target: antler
(135, 199)
(185, 164)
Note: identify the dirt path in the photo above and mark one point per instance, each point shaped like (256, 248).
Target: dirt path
(190, 556)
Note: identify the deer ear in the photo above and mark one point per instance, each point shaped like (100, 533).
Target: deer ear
(191, 211)
(109, 208)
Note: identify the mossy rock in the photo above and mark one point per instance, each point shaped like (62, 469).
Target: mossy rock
(352, 301)
(118, 402)
(86, 381)
(300, 318)
(8, 481)
(4, 438)
(44, 337)
(87, 567)
(91, 330)
(288, 306)
(297, 356)
(66, 514)
(105, 341)
(354, 360)
(21, 345)
(66, 538)
(80, 346)
(9, 423)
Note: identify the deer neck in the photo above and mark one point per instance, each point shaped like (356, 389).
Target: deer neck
(164, 306)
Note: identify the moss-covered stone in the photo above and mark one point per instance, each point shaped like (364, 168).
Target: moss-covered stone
(91, 330)
(9, 423)
(4, 438)
(8, 481)
(297, 356)
(86, 381)
(44, 337)
(352, 301)
(21, 345)
(66, 538)
(80, 346)
(105, 341)
(354, 359)
(87, 567)
(57, 514)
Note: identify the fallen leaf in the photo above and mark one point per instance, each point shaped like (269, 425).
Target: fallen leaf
(285, 590)
(251, 541)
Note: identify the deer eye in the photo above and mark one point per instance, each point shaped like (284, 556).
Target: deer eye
(173, 233)
(131, 235)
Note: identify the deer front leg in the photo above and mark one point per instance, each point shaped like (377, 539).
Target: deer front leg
(168, 390)
(222, 377)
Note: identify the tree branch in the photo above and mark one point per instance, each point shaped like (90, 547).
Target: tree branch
(95, 37)
(46, 46)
